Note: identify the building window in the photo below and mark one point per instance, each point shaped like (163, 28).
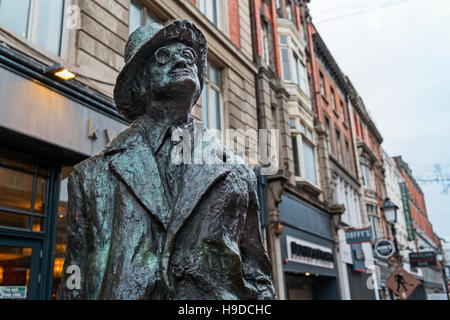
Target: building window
(339, 147)
(309, 162)
(330, 135)
(284, 41)
(303, 144)
(349, 156)
(286, 65)
(342, 111)
(366, 175)
(139, 16)
(211, 99)
(292, 123)
(296, 157)
(300, 77)
(322, 84)
(289, 14)
(210, 8)
(38, 21)
(374, 222)
(333, 99)
(265, 42)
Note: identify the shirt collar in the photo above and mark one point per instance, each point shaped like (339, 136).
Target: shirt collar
(155, 132)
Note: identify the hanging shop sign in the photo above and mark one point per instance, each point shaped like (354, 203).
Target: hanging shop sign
(358, 235)
(358, 258)
(309, 253)
(384, 248)
(402, 283)
(422, 259)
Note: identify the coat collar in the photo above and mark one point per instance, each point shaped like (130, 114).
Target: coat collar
(133, 160)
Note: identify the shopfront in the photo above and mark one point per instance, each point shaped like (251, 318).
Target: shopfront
(307, 248)
(46, 127)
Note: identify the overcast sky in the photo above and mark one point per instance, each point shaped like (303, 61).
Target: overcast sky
(397, 54)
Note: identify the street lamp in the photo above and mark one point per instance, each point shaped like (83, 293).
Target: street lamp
(390, 213)
(441, 259)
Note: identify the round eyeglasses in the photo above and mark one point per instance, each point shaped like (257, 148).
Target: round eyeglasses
(163, 55)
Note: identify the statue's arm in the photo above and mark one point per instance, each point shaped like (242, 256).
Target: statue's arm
(257, 267)
(76, 250)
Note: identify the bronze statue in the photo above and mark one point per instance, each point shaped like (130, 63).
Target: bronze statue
(141, 226)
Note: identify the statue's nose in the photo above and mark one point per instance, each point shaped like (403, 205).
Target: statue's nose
(179, 62)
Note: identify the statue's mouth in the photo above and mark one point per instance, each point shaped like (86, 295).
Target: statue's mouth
(181, 72)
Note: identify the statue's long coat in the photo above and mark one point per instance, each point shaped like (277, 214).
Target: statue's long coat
(128, 243)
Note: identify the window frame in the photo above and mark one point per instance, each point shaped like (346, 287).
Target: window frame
(32, 28)
(144, 13)
(301, 139)
(210, 85)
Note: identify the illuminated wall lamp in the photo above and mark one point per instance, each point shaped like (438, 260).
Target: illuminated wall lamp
(59, 71)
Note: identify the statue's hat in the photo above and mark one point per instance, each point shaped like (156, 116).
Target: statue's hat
(141, 44)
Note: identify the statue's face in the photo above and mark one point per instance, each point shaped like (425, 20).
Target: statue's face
(173, 70)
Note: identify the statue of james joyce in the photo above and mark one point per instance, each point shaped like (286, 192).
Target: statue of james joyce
(143, 225)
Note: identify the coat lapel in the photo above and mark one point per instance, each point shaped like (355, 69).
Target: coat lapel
(198, 179)
(136, 166)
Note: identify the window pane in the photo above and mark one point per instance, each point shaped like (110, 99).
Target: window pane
(284, 40)
(302, 128)
(309, 134)
(205, 107)
(310, 166)
(50, 17)
(13, 220)
(15, 189)
(150, 19)
(215, 110)
(213, 75)
(286, 66)
(16, 161)
(292, 123)
(60, 237)
(38, 224)
(296, 158)
(15, 266)
(135, 16)
(39, 202)
(14, 15)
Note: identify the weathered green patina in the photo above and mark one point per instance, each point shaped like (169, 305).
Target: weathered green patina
(141, 226)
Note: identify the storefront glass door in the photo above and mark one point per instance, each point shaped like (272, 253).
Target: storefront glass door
(19, 268)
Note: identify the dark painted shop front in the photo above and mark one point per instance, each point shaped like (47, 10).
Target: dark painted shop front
(307, 248)
(45, 128)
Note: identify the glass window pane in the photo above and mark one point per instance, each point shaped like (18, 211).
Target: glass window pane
(296, 157)
(39, 201)
(150, 19)
(309, 134)
(14, 15)
(205, 106)
(292, 123)
(213, 75)
(302, 128)
(135, 17)
(215, 109)
(50, 18)
(60, 241)
(283, 40)
(286, 66)
(13, 220)
(15, 265)
(310, 165)
(15, 189)
(38, 224)
(16, 161)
